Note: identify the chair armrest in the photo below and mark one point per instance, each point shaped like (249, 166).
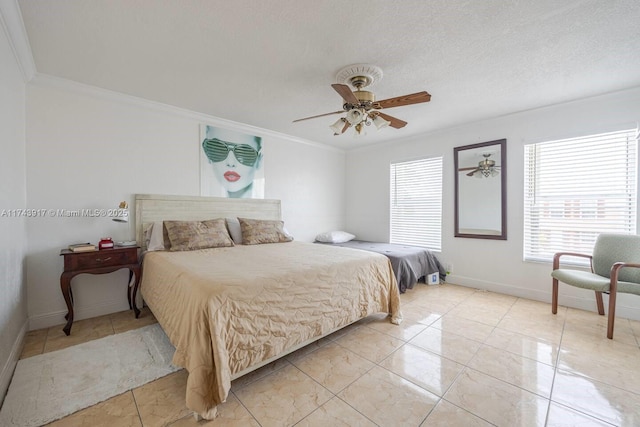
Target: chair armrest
(615, 269)
(557, 255)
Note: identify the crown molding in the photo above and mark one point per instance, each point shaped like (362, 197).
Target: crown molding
(13, 26)
(52, 82)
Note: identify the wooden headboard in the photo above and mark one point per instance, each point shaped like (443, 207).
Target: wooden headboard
(153, 207)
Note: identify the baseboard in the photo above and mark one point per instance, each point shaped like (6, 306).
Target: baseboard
(12, 361)
(55, 318)
(587, 302)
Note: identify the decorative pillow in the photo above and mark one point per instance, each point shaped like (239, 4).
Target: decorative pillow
(156, 240)
(233, 225)
(334, 237)
(190, 235)
(257, 231)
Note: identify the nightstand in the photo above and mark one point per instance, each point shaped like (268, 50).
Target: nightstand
(99, 262)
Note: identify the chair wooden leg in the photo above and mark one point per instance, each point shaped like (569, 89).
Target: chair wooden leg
(612, 313)
(600, 303)
(554, 297)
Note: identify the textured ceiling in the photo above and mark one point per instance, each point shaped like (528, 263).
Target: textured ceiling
(268, 62)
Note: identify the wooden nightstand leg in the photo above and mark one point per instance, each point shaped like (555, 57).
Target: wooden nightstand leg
(131, 293)
(129, 290)
(65, 285)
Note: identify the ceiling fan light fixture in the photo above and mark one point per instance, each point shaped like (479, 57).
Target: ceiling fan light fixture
(355, 116)
(337, 126)
(360, 131)
(380, 123)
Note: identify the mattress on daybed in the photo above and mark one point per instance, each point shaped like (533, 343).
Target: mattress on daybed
(227, 309)
(410, 263)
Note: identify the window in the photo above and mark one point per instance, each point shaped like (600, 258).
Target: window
(416, 203)
(575, 189)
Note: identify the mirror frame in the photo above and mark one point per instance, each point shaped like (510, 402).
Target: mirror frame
(501, 145)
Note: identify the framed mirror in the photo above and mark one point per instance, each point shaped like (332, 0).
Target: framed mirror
(480, 190)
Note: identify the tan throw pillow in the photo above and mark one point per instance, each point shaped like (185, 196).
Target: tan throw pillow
(257, 231)
(191, 235)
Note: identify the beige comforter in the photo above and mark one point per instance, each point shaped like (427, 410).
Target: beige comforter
(227, 309)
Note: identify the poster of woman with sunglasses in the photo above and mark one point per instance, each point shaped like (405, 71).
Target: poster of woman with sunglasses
(230, 164)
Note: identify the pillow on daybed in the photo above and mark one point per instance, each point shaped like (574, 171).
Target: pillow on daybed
(156, 238)
(233, 225)
(191, 235)
(334, 237)
(258, 231)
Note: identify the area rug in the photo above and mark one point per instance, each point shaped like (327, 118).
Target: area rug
(53, 385)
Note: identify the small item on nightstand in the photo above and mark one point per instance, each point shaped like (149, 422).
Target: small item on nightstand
(82, 247)
(105, 243)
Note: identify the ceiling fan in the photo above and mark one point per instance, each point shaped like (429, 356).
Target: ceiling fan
(361, 106)
(486, 168)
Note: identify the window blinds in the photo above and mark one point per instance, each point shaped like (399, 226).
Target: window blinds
(575, 189)
(416, 203)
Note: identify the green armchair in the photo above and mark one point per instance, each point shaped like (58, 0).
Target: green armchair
(615, 267)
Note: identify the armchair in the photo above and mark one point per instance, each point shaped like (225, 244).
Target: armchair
(615, 267)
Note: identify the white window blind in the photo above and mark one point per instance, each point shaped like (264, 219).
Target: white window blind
(416, 203)
(576, 189)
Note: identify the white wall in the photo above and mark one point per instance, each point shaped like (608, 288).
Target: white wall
(488, 264)
(13, 299)
(88, 148)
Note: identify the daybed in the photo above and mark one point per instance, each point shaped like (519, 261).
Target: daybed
(229, 310)
(410, 263)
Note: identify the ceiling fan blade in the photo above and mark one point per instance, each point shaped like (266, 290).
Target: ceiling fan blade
(473, 172)
(414, 98)
(345, 93)
(395, 123)
(467, 169)
(346, 126)
(319, 115)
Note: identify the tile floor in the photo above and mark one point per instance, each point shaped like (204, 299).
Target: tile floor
(462, 357)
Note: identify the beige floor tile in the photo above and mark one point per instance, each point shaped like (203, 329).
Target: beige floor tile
(419, 314)
(163, 401)
(428, 370)
(548, 326)
(262, 372)
(525, 373)
(126, 320)
(588, 325)
(523, 345)
(491, 299)
(335, 413)
(561, 416)
(334, 366)
(346, 330)
(449, 345)
(119, 411)
(605, 360)
(283, 398)
(487, 314)
(370, 344)
(465, 327)
(81, 331)
(635, 327)
(34, 343)
(230, 414)
(404, 331)
(446, 414)
(602, 401)
(496, 401)
(388, 399)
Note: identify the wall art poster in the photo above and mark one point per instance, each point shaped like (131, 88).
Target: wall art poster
(231, 163)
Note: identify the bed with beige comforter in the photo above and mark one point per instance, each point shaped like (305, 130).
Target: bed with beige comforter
(227, 310)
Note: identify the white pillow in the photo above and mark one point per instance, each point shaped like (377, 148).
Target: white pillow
(334, 237)
(233, 225)
(156, 237)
